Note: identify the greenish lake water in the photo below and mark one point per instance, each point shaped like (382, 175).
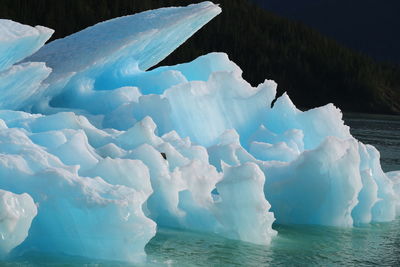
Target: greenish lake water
(372, 245)
(377, 245)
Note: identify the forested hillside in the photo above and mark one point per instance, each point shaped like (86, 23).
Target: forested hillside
(312, 68)
(371, 26)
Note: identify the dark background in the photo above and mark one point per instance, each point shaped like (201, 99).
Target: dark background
(370, 26)
(314, 68)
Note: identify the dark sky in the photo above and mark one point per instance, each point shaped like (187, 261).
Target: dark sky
(370, 26)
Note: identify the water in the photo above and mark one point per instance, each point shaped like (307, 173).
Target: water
(377, 244)
(372, 245)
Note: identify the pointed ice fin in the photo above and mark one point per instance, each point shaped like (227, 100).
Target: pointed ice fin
(141, 40)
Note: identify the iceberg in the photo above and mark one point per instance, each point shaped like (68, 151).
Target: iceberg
(98, 151)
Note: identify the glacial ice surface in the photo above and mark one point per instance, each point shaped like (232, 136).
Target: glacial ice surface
(17, 41)
(103, 150)
(16, 214)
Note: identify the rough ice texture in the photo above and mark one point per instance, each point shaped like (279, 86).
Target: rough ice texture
(395, 177)
(76, 215)
(17, 41)
(16, 214)
(103, 56)
(118, 150)
(21, 84)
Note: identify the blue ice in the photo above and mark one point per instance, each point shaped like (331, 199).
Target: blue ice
(96, 151)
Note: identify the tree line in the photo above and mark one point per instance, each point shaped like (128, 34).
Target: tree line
(312, 68)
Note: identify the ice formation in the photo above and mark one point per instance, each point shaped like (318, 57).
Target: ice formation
(16, 214)
(107, 150)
